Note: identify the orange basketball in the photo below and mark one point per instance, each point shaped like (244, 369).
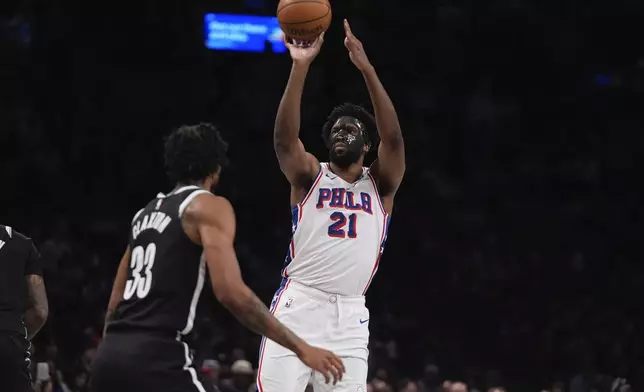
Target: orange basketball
(304, 20)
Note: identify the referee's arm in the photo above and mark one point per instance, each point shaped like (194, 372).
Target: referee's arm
(37, 304)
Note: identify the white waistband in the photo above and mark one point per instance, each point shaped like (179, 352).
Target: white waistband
(323, 295)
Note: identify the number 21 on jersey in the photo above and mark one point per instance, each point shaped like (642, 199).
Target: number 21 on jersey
(141, 263)
(337, 228)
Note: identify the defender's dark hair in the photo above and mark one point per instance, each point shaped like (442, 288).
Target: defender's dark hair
(350, 110)
(193, 152)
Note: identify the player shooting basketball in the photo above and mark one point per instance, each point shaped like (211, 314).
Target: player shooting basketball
(341, 213)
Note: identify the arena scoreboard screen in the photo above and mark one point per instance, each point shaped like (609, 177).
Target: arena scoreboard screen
(243, 33)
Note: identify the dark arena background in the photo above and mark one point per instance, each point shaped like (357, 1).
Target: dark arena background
(514, 257)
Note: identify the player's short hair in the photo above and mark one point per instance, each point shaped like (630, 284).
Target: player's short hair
(194, 152)
(355, 111)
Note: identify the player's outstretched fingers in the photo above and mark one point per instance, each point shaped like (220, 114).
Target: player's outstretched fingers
(347, 28)
(289, 42)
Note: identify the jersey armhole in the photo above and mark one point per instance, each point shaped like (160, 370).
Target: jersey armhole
(379, 196)
(316, 181)
(186, 202)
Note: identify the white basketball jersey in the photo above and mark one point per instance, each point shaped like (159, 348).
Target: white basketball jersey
(339, 234)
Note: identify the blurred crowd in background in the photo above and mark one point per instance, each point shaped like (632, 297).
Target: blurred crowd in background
(514, 257)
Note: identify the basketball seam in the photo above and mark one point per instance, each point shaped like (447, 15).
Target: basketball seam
(328, 11)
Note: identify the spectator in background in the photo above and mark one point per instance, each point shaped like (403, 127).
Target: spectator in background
(87, 359)
(211, 369)
(558, 386)
(430, 381)
(381, 375)
(51, 350)
(583, 380)
(378, 385)
(408, 386)
(243, 377)
(57, 380)
(449, 386)
(80, 381)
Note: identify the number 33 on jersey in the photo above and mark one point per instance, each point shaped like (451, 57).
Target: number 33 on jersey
(339, 232)
(141, 263)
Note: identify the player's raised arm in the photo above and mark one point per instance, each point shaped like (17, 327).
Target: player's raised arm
(117, 288)
(390, 166)
(213, 219)
(299, 167)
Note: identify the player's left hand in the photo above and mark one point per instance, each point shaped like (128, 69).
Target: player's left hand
(323, 361)
(356, 51)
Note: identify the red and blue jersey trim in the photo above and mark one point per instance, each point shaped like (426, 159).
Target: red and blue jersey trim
(296, 217)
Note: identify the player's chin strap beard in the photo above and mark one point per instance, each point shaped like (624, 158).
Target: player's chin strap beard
(351, 156)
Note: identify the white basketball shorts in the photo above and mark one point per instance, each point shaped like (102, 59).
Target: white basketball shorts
(333, 322)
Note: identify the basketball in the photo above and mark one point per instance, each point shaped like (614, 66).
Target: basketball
(304, 20)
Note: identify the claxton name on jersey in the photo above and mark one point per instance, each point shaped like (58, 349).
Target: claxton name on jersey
(342, 198)
(156, 220)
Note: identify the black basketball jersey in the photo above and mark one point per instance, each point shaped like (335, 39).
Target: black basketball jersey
(167, 270)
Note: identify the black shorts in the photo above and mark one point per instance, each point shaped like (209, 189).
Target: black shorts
(14, 363)
(134, 362)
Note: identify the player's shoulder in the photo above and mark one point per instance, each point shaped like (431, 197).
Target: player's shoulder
(322, 169)
(12, 233)
(314, 162)
(9, 233)
(306, 176)
(206, 204)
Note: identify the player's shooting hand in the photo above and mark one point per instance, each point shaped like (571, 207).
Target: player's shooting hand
(356, 51)
(323, 361)
(304, 51)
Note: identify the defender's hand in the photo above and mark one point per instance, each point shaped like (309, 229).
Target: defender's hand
(356, 51)
(323, 361)
(304, 51)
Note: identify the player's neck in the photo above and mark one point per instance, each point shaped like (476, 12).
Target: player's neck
(182, 184)
(349, 174)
